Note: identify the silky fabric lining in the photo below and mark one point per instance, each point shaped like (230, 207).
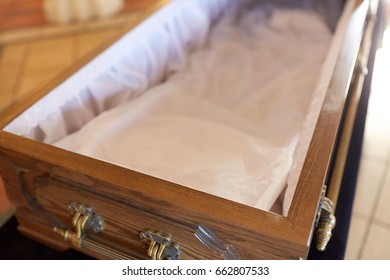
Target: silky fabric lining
(211, 95)
(227, 123)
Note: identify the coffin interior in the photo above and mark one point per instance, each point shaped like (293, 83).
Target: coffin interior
(149, 55)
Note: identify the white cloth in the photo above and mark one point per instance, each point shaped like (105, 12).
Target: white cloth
(137, 61)
(228, 120)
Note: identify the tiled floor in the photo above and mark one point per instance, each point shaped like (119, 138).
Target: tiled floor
(370, 227)
(26, 65)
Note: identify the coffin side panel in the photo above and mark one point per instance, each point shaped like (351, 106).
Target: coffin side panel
(42, 189)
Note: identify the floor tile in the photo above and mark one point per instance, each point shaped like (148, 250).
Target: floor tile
(50, 43)
(382, 212)
(11, 58)
(380, 99)
(357, 232)
(34, 80)
(5, 97)
(376, 152)
(87, 42)
(12, 55)
(376, 142)
(49, 53)
(8, 75)
(377, 246)
(370, 177)
(377, 133)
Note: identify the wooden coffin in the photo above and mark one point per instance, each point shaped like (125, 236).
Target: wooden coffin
(68, 200)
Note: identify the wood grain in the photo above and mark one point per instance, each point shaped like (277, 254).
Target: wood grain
(41, 180)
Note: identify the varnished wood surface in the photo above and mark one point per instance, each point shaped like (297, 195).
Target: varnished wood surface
(123, 224)
(41, 180)
(353, 100)
(315, 171)
(237, 224)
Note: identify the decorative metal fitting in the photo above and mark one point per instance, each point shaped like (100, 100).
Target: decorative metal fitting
(326, 223)
(160, 246)
(83, 219)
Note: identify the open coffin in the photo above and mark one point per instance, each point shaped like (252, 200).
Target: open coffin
(215, 96)
(218, 96)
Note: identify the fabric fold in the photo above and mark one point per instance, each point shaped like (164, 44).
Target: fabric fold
(227, 121)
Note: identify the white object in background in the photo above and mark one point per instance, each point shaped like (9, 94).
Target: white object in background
(65, 11)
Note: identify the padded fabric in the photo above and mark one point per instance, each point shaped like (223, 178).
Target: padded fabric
(208, 94)
(228, 120)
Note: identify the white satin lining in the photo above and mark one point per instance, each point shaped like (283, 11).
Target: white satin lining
(225, 120)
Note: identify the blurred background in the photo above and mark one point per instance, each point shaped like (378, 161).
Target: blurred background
(58, 31)
(40, 38)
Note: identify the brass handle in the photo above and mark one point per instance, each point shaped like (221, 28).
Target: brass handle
(325, 224)
(83, 219)
(160, 246)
